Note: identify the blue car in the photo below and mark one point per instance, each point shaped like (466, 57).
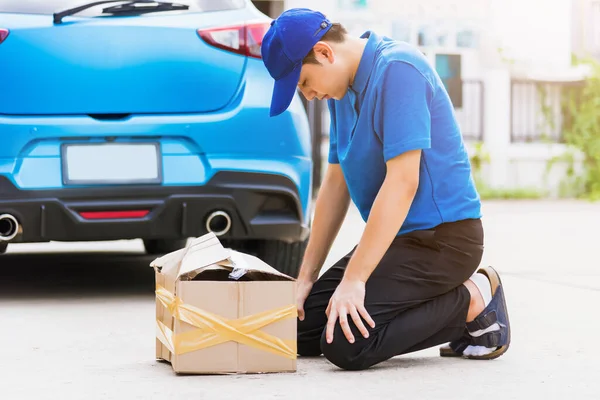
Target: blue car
(148, 120)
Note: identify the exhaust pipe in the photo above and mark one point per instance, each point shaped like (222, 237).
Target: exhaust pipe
(218, 222)
(9, 227)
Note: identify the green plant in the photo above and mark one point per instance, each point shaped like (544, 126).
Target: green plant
(504, 58)
(581, 132)
(480, 157)
(547, 114)
(572, 185)
(487, 193)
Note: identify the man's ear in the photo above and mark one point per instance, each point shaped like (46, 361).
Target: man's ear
(324, 52)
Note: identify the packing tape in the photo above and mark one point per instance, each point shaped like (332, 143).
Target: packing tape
(213, 329)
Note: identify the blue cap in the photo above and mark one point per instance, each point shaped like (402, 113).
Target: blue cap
(289, 39)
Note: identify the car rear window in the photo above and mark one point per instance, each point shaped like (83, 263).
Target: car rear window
(52, 6)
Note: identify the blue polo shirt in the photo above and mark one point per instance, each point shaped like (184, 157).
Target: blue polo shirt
(398, 103)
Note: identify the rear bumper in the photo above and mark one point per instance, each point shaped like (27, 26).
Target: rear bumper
(261, 206)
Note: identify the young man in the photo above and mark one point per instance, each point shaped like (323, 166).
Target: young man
(396, 151)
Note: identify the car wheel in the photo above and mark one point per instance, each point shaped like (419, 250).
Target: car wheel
(283, 256)
(3, 247)
(163, 246)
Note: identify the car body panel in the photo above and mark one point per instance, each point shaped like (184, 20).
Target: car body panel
(146, 65)
(68, 85)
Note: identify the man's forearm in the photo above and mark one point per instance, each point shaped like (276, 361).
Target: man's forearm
(330, 210)
(389, 211)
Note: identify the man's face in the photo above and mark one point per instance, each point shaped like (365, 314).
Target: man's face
(327, 80)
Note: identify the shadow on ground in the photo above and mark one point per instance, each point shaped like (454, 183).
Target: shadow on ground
(68, 275)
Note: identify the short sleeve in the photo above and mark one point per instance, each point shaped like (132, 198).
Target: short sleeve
(402, 114)
(333, 153)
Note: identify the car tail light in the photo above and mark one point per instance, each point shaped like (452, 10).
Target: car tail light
(126, 214)
(241, 39)
(3, 34)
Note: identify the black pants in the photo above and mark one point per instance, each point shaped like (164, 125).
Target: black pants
(415, 296)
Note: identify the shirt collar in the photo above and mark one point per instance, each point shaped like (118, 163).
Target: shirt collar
(366, 62)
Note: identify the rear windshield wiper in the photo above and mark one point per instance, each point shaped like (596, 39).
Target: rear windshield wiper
(58, 16)
(135, 9)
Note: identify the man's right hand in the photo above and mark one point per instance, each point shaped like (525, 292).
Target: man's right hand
(303, 288)
(331, 207)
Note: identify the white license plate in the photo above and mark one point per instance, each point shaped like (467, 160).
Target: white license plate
(111, 163)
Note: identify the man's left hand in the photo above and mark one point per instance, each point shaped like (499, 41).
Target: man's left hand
(348, 298)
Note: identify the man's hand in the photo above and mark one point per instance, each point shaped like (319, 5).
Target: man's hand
(330, 210)
(348, 298)
(387, 215)
(303, 288)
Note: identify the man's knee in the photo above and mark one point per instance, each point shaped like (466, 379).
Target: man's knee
(346, 355)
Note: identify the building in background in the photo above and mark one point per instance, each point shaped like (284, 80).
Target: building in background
(532, 36)
(502, 62)
(586, 28)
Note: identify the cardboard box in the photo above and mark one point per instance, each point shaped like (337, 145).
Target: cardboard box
(223, 311)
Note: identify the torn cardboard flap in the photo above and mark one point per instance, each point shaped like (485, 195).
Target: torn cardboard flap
(255, 266)
(207, 253)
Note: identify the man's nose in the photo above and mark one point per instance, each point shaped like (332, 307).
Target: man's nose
(309, 94)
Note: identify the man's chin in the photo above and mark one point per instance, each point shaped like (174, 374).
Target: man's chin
(341, 95)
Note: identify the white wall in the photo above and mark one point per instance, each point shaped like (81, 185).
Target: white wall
(586, 28)
(516, 165)
(535, 33)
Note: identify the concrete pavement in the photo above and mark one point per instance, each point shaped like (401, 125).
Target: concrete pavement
(78, 323)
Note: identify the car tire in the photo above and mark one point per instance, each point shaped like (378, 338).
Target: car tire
(3, 247)
(163, 246)
(283, 256)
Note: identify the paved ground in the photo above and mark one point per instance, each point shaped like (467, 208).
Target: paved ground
(78, 323)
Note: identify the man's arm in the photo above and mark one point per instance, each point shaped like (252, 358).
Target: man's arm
(387, 214)
(402, 121)
(331, 207)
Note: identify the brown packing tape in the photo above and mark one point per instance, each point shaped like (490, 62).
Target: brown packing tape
(213, 329)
